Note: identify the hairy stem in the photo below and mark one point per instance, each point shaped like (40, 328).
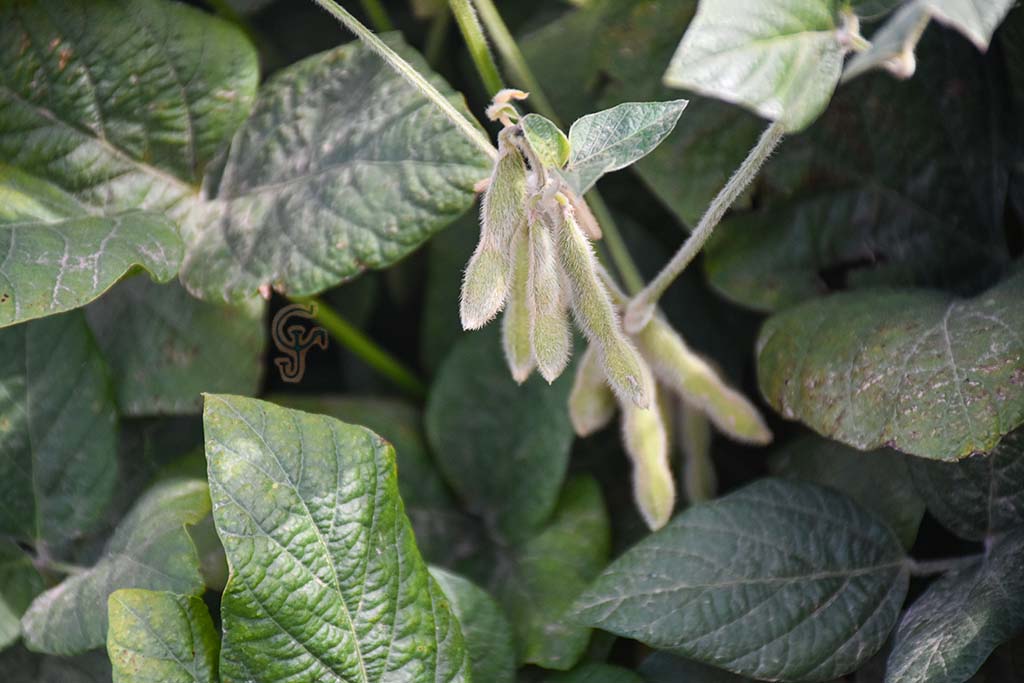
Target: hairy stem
(932, 567)
(510, 53)
(437, 34)
(378, 15)
(365, 348)
(476, 42)
(406, 71)
(630, 274)
(640, 310)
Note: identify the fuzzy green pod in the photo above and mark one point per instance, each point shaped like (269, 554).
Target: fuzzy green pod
(546, 140)
(591, 402)
(592, 306)
(515, 326)
(696, 382)
(550, 336)
(487, 280)
(646, 441)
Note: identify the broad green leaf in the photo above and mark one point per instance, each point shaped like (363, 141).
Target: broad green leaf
(150, 549)
(916, 370)
(122, 104)
(61, 256)
(609, 140)
(444, 534)
(159, 637)
(979, 497)
(546, 140)
(893, 45)
(326, 581)
(780, 58)
(976, 19)
(165, 347)
(485, 628)
(662, 667)
(19, 584)
(949, 632)
(537, 581)
(59, 431)
(21, 666)
(342, 166)
(503, 447)
(596, 672)
(779, 580)
(920, 205)
(878, 480)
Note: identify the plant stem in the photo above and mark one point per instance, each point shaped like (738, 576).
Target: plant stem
(513, 57)
(365, 348)
(932, 567)
(437, 34)
(640, 310)
(509, 50)
(378, 15)
(405, 70)
(476, 42)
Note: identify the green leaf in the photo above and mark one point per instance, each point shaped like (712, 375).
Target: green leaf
(612, 139)
(19, 583)
(918, 206)
(916, 370)
(444, 534)
(21, 666)
(979, 497)
(596, 672)
(779, 580)
(546, 140)
(165, 347)
(161, 637)
(342, 166)
(60, 256)
(662, 667)
(150, 549)
(326, 580)
(503, 447)
(485, 628)
(121, 104)
(537, 581)
(780, 58)
(447, 255)
(58, 431)
(878, 480)
(949, 632)
(893, 45)
(976, 19)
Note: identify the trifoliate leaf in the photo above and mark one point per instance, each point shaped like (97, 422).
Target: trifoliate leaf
(485, 628)
(546, 140)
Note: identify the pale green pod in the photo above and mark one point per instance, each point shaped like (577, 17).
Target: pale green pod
(591, 402)
(550, 336)
(594, 312)
(486, 283)
(515, 326)
(646, 442)
(700, 482)
(697, 383)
